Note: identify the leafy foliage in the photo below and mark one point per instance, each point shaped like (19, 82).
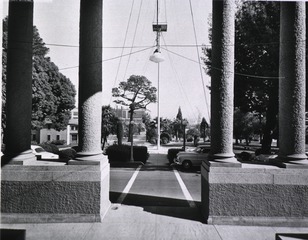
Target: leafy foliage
(53, 94)
(203, 128)
(256, 61)
(136, 93)
(245, 125)
(109, 122)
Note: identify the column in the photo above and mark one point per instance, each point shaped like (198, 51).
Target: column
(19, 82)
(90, 81)
(68, 134)
(292, 86)
(222, 83)
(1, 36)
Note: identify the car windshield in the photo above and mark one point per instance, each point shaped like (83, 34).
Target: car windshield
(201, 150)
(39, 149)
(197, 150)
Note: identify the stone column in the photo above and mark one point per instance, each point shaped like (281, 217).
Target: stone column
(1, 35)
(19, 82)
(292, 86)
(90, 80)
(222, 83)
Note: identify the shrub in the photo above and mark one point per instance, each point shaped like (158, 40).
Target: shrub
(172, 152)
(58, 142)
(165, 137)
(164, 140)
(153, 140)
(121, 153)
(246, 156)
(49, 147)
(140, 153)
(67, 154)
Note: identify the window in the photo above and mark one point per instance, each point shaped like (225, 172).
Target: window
(74, 138)
(48, 137)
(58, 137)
(75, 115)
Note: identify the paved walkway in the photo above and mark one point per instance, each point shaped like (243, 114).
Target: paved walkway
(145, 223)
(129, 222)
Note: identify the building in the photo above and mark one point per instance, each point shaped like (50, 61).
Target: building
(49, 134)
(124, 114)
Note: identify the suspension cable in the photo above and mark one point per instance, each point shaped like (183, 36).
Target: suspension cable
(202, 79)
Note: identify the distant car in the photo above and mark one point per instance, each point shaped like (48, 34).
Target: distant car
(193, 157)
(40, 153)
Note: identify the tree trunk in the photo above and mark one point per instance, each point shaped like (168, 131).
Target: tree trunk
(119, 132)
(271, 121)
(105, 140)
(130, 126)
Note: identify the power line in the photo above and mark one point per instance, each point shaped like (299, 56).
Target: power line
(134, 37)
(118, 69)
(110, 59)
(202, 79)
(178, 81)
(236, 73)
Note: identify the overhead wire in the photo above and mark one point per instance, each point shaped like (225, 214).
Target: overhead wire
(181, 88)
(134, 37)
(113, 58)
(202, 79)
(235, 73)
(122, 51)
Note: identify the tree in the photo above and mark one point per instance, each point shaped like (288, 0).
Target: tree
(256, 62)
(109, 123)
(136, 93)
(53, 94)
(194, 133)
(203, 126)
(245, 125)
(177, 124)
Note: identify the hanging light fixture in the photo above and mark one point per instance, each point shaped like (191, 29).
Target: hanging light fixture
(157, 57)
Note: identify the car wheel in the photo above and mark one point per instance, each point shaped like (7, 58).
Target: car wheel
(186, 164)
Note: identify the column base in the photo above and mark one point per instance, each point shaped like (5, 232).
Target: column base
(294, 161)
(24, 158)
(88, 159)
(223, 160)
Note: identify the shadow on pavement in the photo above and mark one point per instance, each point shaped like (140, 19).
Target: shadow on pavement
(171, 207)
(280, 236)
(12, 234)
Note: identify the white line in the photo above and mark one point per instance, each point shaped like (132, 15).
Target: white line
(187, 195)
(128, 186)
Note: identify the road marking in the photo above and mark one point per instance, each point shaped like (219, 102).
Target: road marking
(187, 195)
(128, 186)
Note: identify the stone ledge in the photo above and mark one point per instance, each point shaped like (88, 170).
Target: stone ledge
(258, 221)
(15, 218)
(258, 176)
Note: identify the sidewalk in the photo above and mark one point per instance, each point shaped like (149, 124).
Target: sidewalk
(129, 222)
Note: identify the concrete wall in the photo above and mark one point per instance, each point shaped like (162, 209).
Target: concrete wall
(256, 196)
(71, 193)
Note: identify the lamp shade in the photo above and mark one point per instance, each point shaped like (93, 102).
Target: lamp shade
(157, 57)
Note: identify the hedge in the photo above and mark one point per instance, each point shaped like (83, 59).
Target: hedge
(49, 147)
(67, 154)
(121, 153)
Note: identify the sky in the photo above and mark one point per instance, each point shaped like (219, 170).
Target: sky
(182, 80)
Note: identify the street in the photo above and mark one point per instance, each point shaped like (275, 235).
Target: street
(158, 188)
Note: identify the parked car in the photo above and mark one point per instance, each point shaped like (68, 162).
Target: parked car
(172, 152)
(40, 153)
(192, 158)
